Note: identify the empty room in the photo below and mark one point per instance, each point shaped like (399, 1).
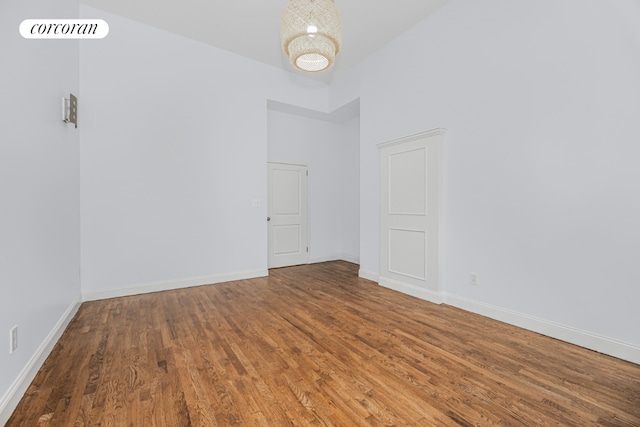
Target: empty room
(319, 212)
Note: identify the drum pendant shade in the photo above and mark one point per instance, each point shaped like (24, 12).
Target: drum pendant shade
(311, 33)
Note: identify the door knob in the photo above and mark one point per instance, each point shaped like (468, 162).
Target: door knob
(268, 218)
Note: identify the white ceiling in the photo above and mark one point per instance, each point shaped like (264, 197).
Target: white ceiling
(252, 27)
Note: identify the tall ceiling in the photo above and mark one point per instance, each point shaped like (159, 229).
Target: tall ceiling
(252, 27)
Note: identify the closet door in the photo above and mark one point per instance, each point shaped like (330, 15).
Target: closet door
(410, 170)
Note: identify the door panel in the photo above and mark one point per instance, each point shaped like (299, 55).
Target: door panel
(286, 239)
(408, 253)
(407, 182)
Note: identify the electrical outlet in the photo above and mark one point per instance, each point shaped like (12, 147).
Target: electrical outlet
(474, 278)
(13, 339)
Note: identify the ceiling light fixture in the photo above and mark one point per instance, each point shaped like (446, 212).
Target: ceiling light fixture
(311, 33)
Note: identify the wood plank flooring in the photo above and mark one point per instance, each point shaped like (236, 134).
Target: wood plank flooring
(316, 346)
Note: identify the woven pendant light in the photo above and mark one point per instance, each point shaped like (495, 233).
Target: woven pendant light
(311, 33)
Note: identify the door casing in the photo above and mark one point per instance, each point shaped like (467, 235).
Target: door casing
(410, 214)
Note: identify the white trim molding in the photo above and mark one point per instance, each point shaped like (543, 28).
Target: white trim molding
(409, 289)
(585, 339)
(350, 258)
(415, 223)
(369, 275)
(414, 137)
(335, 257)
(170, 284)
(588, 340)
(18, 388)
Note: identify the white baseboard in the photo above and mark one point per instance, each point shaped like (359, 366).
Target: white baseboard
(11, 398)
(326, 258)
(589, 340)
(170, 284)
(369, 275)
(406, 288)
(568, 334)
(335, 257)
(350, 258)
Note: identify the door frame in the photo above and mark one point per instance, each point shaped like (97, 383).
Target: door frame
(430, 287)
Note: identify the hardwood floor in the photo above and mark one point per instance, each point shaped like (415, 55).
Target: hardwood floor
(316, 345)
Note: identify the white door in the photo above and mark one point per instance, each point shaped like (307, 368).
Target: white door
(288, 215)
(410, 214)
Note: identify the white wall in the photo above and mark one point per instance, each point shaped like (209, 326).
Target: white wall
(328, 149)
(174, 150)
(39, 190)
(350, 188)
(541, 197)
